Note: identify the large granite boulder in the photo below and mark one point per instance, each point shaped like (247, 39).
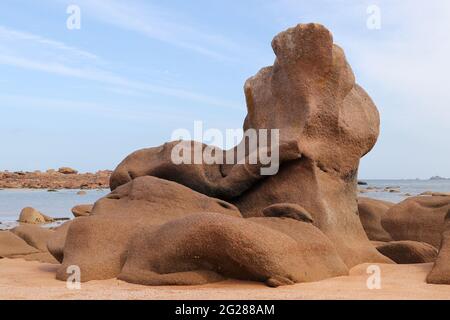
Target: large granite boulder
(276, 251)
(371, 212)
(11, 245)
(418, 218)
(169, 223)
(98, 243)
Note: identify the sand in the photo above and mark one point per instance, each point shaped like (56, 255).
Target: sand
(20, 279)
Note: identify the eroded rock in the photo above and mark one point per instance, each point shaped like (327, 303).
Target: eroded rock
(418, 218)
(405, 252)
(371, 212)
(440, 274)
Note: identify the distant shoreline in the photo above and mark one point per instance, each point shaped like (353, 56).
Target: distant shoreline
(63, 178)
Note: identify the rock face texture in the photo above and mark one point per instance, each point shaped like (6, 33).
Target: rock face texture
(440, 274)
(405, 252)
(31, 215)
(168, 223)
(418, 218)
(233, 247)
(54, 180)
(371, 212)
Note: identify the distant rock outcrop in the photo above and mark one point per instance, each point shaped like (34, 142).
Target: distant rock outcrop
(54, 180)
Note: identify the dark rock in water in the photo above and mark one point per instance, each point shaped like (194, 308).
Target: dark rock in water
(362, 183)
(31, 215)
(167, 223)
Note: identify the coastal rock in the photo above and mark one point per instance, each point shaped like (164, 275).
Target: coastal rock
(53, 180)
(440, 274)
(11, 245)
(223, 246)
(288, 210)
(406, 252)
(67, 170)
(371, 211)
(82, 210)
(208, 179)
(31, 215)
(326, 123)
(98, 243)
(418, 219)
(35, 236)
(55, 244)
(168, 223)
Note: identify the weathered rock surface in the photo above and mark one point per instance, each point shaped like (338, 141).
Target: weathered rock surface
(35, 236)
(98, 243)
(371, 212)
(31, 215)
(440, 274)
(405, 252)
(272, 250)
(11, 245)
(310, 95)
(67, 170)
(55, 244)
(418, 218)
(288, 210)
(82, 210)
(326, 123)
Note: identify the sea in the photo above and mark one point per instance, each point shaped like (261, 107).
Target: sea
(59, 204)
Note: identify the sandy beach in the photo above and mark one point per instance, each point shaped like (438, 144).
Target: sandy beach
(20, 279)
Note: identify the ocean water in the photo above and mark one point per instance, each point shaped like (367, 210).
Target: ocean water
(412, 187)
(58, 204)
(54, 204)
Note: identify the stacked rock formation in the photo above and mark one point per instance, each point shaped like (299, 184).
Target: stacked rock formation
(167, 223)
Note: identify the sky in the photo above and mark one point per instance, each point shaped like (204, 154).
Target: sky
(135, 71)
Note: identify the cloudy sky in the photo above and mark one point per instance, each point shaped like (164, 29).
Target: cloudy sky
(137, 70)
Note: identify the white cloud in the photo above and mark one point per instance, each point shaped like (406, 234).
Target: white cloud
(33, 52)
(156, 23)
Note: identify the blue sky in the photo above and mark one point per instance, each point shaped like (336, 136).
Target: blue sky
(138, 70)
